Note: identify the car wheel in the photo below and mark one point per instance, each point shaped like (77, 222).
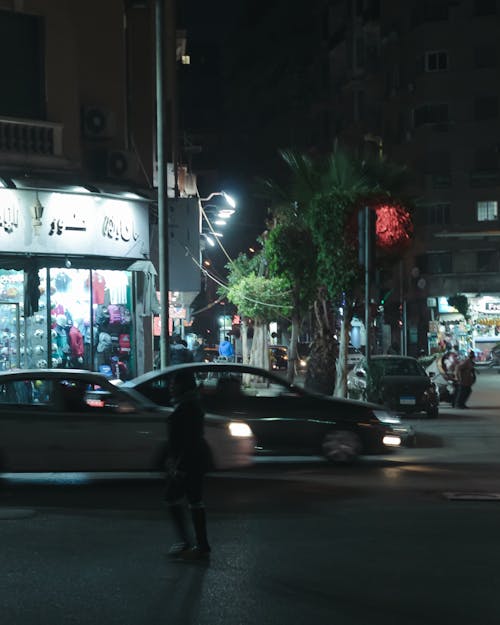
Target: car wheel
(341, 446)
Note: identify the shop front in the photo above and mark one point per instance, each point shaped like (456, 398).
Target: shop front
(68, 289)
(479, 331)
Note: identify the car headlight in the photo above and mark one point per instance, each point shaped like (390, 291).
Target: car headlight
(386, 417)
(241, 430)
(392, 440)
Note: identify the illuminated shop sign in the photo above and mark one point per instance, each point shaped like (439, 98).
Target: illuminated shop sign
(63, 223)
(444, 307)
(492, 307)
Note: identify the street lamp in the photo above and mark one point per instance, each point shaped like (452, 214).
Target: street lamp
(223, 194)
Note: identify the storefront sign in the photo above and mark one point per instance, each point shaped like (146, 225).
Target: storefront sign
(73, 224)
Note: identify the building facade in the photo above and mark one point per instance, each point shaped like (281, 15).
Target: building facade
(420, 84)
(78, 232)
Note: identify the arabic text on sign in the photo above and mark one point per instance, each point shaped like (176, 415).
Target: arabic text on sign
(116, 228)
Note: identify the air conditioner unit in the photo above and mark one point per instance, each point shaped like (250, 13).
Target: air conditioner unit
(97, 122)
(122, 165)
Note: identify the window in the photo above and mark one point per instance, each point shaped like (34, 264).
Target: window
(439, 262)
(436, 61)
(26, 392)
(485, 7)
(22, 65)
(438, 214)
(486, 107)
(487, 260)
(487, 211)
(486, 56)
(464, 262)
(430, 11)
(430, 114)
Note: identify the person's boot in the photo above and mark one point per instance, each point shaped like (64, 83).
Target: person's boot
(201, 551)
(178, 517)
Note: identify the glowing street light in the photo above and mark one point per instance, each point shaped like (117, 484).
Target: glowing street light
(223, 194)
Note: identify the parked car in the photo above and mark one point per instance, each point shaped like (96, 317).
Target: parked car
(71, 420)
(399, 382)
(354, 356)
(286, 419)
(278, 357)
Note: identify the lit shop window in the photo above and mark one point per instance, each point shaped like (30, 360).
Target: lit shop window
(487, 211)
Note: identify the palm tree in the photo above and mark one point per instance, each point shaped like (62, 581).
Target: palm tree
(322, 197)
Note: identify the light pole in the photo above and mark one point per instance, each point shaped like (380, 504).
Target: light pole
(162, 186)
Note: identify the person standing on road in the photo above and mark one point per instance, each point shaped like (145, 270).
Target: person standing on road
(466, 376)
(188, 461)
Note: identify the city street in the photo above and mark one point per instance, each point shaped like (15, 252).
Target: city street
(410, 538)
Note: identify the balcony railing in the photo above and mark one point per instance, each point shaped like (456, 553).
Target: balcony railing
(30, 137)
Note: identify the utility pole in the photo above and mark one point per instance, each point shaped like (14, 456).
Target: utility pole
(162, 185)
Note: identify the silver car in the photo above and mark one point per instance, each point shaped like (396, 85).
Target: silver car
(71, 420)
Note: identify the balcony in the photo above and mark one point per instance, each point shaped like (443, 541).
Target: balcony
(26, 138)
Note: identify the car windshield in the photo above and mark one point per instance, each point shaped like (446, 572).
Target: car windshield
(398, 366)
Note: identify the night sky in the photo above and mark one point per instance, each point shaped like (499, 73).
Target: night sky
(241, 55)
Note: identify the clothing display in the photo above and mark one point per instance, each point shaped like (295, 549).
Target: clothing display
(67, 317)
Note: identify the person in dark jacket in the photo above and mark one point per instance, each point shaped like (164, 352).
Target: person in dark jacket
(179, 352)
(188, 461)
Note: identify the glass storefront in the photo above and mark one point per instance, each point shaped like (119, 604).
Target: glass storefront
(84, 320)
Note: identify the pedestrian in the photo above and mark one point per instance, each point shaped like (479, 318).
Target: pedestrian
(188, 461)
(226, 349)
(199, 350)
(179, 352)
(466, 376)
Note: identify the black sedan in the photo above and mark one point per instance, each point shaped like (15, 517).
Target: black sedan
(398, 382)
(285, 419)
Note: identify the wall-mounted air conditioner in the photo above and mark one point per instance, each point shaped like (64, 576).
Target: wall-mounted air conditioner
(97, 122)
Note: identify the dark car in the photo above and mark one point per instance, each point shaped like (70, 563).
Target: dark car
(72, 420)
(278, 357)
(285, 419)
(398, 382)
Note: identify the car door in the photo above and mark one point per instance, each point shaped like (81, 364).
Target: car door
(278, 414)
(112, 431)
(29, 425)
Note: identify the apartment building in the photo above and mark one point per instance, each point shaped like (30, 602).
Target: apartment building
(419, 81)
(78, 216)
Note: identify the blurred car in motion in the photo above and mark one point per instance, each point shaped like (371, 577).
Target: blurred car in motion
(399, 382)
(285, 419)
(71, 420)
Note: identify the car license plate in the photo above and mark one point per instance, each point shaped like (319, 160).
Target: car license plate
(407, 401)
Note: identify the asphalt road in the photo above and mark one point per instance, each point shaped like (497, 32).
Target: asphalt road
(413, 538)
